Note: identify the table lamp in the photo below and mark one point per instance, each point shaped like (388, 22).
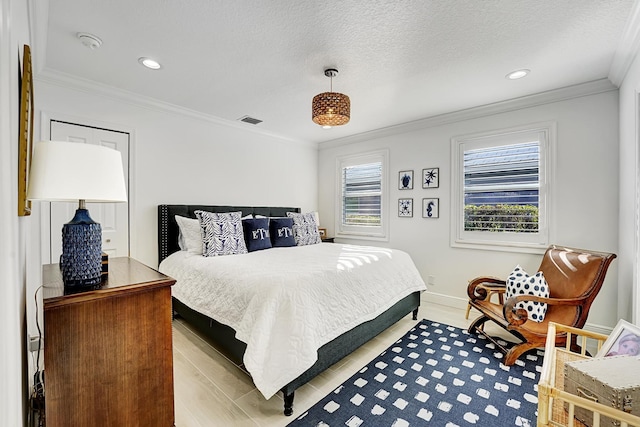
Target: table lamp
(70, 171)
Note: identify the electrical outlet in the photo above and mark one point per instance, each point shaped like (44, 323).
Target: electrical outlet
(33, 343)
(431, 280)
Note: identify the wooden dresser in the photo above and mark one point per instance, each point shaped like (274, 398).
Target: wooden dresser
(108, 352)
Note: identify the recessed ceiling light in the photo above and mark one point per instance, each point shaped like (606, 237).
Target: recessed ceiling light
(150, 63)
(518, 74)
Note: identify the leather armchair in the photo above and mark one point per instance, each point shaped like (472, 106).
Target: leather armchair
(574, 277)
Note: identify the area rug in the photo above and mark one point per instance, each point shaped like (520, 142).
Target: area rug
(435, 375)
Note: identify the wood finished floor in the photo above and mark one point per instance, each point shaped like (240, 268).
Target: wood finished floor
(211, 391)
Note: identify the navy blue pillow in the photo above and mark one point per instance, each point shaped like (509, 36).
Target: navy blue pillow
(256, 233)
(281, 230)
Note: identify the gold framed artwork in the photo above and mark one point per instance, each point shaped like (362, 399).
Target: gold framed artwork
(322, 232)
(26, 132)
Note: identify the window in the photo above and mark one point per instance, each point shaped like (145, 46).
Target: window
(362, 196)
(501, 188)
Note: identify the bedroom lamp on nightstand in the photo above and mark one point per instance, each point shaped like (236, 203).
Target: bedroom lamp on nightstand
(69, 171)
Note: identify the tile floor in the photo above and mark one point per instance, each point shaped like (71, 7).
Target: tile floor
(212, 391)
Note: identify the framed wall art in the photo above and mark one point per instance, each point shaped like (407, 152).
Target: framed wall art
(25, 148)
(405, 180)
(431, 178)
(623, 340)
(405, 208)
(430, 208)
(322, 232)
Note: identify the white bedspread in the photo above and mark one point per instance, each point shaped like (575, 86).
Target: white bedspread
(285, 303)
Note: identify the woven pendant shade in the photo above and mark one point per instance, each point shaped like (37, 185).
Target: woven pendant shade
(331, 108)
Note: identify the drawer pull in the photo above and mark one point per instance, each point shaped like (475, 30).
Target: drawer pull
(584, 393)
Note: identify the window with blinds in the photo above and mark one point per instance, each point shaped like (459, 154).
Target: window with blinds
(361, 196)
(501, 188)
(501, 185)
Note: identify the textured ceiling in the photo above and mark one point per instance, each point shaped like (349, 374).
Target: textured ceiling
(399, 60)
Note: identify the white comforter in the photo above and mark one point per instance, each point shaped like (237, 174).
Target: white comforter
(285, 303)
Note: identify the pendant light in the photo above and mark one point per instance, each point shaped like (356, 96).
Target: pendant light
(331, 108)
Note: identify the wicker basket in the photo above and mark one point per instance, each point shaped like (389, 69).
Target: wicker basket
(552, 410)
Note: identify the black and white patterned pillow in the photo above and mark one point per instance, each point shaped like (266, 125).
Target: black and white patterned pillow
(305, 228)
(221, 233)
(520, 283)
(256, 233)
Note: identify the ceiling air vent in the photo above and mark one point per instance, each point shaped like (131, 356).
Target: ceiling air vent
(250, 120)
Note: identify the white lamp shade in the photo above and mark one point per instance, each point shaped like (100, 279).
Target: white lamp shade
(71, 171)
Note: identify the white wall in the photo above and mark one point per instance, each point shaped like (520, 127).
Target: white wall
(14, 33)
(585, 206)
(178, 158)
(629, 197)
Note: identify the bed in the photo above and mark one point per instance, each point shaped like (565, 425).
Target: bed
(233, 342)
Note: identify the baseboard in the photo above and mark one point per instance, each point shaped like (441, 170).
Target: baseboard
(592, 327)
(446, 300)
(461, 303)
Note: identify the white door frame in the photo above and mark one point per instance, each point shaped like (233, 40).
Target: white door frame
(45, 135)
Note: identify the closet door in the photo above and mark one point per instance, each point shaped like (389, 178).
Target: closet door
(113, 217)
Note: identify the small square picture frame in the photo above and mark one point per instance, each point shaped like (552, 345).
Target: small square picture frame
(431, 178)
(431, 208)
(322, 232)
(405, 180)
(405, 208)
(623, 340)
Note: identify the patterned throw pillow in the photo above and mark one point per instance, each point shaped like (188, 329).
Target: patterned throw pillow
(256, 233)
(520, 283)
(305, 228)
(221, 233)
(281, 230)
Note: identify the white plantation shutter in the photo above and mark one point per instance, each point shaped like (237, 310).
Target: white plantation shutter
(496, 181)
(501, 187)
(361, 196)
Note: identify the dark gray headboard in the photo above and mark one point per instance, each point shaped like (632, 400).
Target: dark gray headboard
(168, 228)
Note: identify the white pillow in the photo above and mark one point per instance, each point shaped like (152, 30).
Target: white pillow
(520, 283)
(189, 235)
(222, 233)
(305, 228)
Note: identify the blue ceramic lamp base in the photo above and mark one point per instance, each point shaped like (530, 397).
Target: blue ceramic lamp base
(81, 260)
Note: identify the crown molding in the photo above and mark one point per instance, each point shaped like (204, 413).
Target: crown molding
(627, 47)
(69, 81)
(542, 98)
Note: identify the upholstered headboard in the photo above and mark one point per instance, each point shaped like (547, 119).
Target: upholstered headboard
(168, 228)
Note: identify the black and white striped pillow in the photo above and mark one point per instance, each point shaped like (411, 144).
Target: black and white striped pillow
(221, 233)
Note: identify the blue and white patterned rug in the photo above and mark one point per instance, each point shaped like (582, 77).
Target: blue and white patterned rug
(435, 375)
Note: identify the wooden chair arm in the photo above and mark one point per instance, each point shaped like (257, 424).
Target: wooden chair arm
(478, 288)
(517, 316)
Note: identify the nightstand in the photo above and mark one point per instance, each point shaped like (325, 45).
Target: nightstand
(108, 352)
(328, 239)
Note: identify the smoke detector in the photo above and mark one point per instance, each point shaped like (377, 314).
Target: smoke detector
(89, 40)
